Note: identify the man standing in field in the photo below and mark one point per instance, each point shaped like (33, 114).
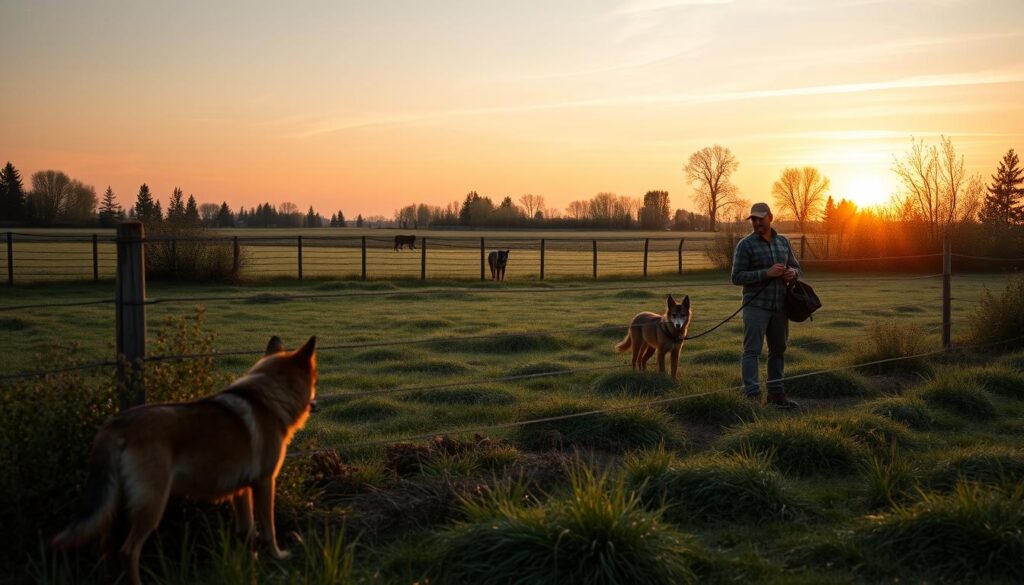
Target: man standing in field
(764, 261)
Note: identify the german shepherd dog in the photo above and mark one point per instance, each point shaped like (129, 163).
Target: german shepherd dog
(497, 260)
(650, 332)
(225, 447)
(402, 241)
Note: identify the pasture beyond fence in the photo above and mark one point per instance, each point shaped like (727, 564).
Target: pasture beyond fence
(130, 304)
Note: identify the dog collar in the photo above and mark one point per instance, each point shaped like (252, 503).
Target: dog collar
(677, 337)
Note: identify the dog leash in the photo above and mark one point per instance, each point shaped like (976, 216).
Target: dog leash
(737, 312)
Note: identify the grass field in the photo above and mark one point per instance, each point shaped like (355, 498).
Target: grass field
(862, 486)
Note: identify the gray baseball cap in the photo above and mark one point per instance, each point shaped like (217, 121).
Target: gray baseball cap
(759, 210)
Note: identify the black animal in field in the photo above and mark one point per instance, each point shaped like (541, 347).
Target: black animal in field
(497, 260)
(402, 241)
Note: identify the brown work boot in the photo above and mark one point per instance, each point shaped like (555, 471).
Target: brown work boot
(780, 401)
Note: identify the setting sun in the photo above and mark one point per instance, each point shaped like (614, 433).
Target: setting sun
(867, 190)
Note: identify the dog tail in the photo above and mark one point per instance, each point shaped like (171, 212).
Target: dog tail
(102, 493)
(625, 344)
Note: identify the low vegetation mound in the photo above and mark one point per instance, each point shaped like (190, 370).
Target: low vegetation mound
(971, 534)
(958, 393)
(891, 340)
(1002, 381)
(796, 447)
(634, 384)
(619, 430)
(995, 466)
(998, 319)
(835, 384)
(466, 395)
(907, 410)
(716, 408)
(598, 534)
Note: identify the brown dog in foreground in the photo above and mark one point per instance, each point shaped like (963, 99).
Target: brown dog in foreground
(226, 447)
(651, 333)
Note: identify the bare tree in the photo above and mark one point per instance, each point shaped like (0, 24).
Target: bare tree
(531, 203)
(208, 213)
(801, 193)
(709, 171)
(578, 209)
(936, 188)
(602, 206)
(49, 190)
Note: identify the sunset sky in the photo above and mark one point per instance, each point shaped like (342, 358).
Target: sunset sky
(368, 106)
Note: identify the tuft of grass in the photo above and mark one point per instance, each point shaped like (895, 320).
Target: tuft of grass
(889, 480)
(501, 345)
(598, 534)
(718, 408)
(428, 366)
(971, 534)
(327, 558)
(818, 345)
(958, 393)
(907, 410)
(890, 339)
(537, 368)
(840, 383)
(796, 447)
(381, 355)
(989, 465)
(616, 431)
(717, 356)
(874, 432)
(999, 318)
(714, 488)
(469, 395)
(634, 384)
(361, 409)
(1001, 381)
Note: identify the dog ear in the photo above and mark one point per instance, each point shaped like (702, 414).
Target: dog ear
(686, 301)
(274, 346)
(671, 301)
(306, 352)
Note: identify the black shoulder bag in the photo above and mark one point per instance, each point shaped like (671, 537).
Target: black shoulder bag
(801, 301)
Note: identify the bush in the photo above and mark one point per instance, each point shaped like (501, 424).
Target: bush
(1000, 318)
(599, 534)
(713, 488)
(618, 430)
(721, 249)
(888, 340)
(971, 534)
(182, 253)
(794, 446)
(959, 393)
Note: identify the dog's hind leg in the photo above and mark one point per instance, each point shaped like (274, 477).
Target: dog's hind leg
(147, 499)
(638, 348)
(648, 352)
(263, 503)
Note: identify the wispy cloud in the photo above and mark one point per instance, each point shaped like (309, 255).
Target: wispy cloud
(917, 82)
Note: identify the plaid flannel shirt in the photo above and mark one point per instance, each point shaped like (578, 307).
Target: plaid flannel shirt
(750, 264)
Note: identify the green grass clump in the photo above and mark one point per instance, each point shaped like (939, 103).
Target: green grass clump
(960, 394)
(889, 479)
(907, 410)
(996, 466)
(888, 340)
(427, 366)
(598, 534)
(361, 409)
(713, 488)
(718, 408)
(466, 395)
(537, 368)
(973, 533)
(797, 447)
(1014, 361)
(999, 318)
(635, 384)
(836, 384)
(1001, 381)
(619, 430)
(501, 345)
(875, 432)
(715, 356)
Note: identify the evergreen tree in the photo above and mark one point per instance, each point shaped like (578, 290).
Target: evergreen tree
(110, 210)
(191, 212)
(12, 194)
(341, 219)
(312, 220)
(145, 210)
(359, 220)
(224, 218)
(828, 217)
(176, 208)
(158, 212)
(1002, 205)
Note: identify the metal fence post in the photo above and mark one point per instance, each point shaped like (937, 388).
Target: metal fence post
(595, 258)
(10, 258)
(131, 313)
(299, 249)
(423, 260)
(542, 258)
(363, 253)
(482, 258)
(681, 240)
(947, 273)
(647, 244)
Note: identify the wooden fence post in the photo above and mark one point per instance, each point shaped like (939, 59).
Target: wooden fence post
(947, 272)
(10, 258)
(681, 240)
(234, 255)
(95, 258)
(299, 249)
(595, 258)
(423, 260)
(647, 244)
(542, 258)
(131, 313)
(363, 253)
(482, 259)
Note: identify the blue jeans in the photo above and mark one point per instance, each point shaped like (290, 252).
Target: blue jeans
(758, 324)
